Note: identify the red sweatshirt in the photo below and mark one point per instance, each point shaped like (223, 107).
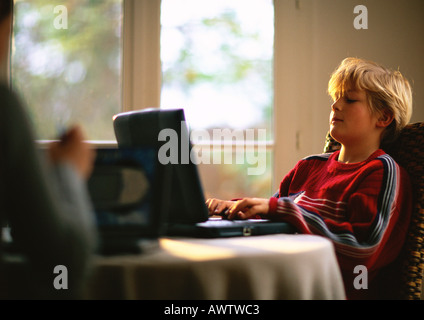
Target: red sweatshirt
(364, 208)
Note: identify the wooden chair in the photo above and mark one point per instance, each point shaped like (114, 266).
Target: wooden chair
(408, 151)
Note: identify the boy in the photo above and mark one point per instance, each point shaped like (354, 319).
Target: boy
(357, 197)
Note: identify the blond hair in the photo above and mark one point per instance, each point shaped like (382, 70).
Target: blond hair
(387, 91)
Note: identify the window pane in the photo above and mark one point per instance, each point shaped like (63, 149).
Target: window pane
(217, 59)
(217, 62)
(66, 64)
(228, 181)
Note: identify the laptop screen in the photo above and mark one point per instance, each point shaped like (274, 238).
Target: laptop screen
(125, 188)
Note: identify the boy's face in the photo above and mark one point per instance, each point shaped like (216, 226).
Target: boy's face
(351, 120)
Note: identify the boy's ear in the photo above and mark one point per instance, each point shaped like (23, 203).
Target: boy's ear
(385, 120)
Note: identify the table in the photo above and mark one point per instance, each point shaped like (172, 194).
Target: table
(260, 267)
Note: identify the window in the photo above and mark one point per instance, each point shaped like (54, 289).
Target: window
(66, 64)
(217, 60)
(222, 51)
(212, 57)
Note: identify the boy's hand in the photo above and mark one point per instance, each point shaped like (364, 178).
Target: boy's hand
(218, 207)
(248, 208)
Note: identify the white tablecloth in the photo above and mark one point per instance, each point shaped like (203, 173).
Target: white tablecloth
(261, 267)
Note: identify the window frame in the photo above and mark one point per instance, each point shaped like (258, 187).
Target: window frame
(141, 85)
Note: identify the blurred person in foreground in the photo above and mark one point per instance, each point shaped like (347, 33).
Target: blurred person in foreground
(44, 201)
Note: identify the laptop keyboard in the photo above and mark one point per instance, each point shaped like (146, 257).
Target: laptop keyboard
(218, 222)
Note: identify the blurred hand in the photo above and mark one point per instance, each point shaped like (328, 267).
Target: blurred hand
(71, 148)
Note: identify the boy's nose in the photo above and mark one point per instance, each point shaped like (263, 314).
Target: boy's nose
(336, 105)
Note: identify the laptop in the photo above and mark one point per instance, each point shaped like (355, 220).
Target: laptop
(126, 188)
(187, 214)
